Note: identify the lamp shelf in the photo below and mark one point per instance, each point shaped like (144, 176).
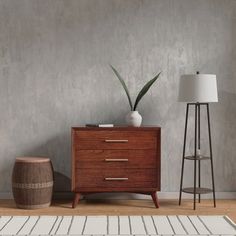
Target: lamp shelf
(198, 190)
(199, 158)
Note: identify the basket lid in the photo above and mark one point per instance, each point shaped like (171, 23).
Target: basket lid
(32, 159)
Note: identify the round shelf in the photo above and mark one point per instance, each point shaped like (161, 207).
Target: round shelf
(198, 190)
(199, 158)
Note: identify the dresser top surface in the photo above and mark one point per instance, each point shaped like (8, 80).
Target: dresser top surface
(127, 128)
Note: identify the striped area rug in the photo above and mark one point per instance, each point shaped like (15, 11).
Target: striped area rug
(116, 225)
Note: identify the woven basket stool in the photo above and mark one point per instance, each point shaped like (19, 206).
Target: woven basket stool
(32, 182)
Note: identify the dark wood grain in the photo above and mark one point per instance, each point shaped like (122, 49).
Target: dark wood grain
(115, 159)
(118, 128)
(96, 178)
(144, 190)
(140, 147)
(76, 200)
(118, 139)
(155, 199)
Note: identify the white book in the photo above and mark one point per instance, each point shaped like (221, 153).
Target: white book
(105, 125)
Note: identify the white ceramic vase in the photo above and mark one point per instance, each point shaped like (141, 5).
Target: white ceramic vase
(133, 118)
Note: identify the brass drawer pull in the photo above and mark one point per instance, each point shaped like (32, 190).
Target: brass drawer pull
(114, 160)
(114, 179)
(116, 140)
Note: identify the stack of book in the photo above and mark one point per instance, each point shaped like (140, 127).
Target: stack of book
(100, 125)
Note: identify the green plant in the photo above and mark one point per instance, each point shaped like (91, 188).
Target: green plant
(142, 92)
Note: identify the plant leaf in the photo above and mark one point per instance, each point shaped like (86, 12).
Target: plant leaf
(124, 86)
(144, 90)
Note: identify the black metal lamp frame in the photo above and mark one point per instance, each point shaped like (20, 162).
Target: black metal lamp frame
(197, 190)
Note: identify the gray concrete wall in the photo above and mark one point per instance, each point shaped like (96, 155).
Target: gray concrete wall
(54, 74)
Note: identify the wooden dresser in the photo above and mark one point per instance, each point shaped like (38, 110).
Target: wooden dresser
(118, 159)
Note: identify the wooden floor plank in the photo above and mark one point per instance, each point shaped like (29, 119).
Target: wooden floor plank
(126, 207)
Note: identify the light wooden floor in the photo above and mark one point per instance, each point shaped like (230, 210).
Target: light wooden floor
(126, 207)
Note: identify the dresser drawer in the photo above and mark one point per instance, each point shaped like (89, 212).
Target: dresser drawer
(117, 178)
(115, 158)
(115, 139)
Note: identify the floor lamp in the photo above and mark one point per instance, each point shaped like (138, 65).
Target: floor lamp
(198, 90)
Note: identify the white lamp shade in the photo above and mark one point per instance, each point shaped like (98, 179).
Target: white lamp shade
(198, 88)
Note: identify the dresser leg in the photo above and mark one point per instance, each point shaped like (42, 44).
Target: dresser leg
(155, 199)
(76, 200)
